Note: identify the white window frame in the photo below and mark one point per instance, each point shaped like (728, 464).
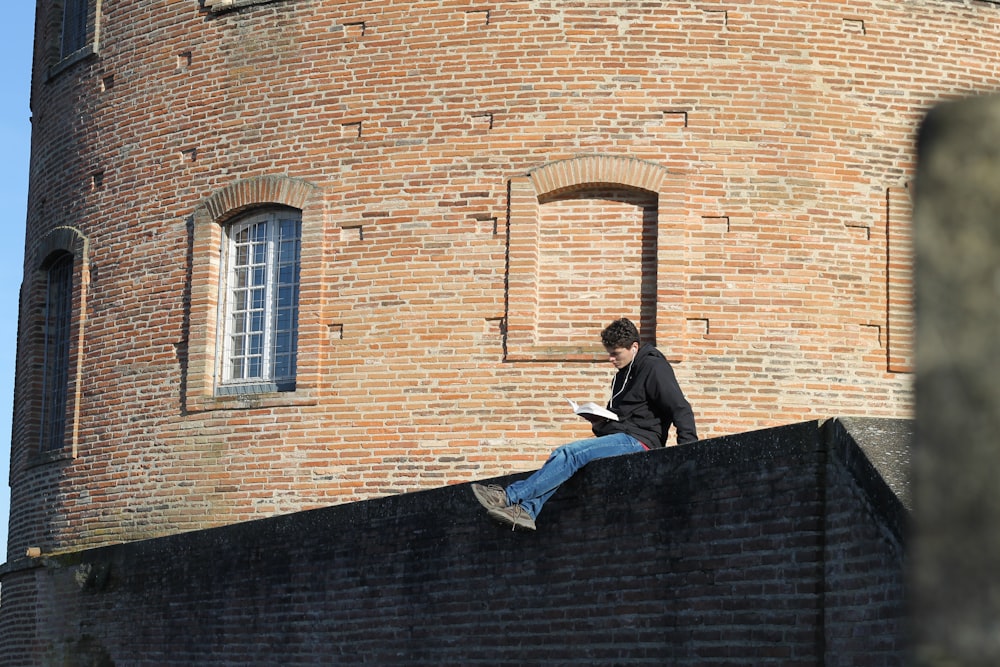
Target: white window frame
(268, 307)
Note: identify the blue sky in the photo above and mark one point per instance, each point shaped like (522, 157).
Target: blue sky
(16, 32)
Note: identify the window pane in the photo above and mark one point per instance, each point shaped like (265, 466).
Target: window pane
(286, 297)
(283, 323)
(259, 276)
(239, 301)
(288, 251)
(258, 298)
(255, 345)
(286, 274)
(256, 318)
(239, 346)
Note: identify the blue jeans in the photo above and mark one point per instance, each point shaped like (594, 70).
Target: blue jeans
(532, 492)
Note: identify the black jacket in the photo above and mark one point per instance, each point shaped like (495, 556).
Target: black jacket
(647, 400)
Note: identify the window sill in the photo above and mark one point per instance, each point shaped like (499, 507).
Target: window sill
(70, 60)
(46, 458)
(254, 388)
(265, 396)
(221, 6)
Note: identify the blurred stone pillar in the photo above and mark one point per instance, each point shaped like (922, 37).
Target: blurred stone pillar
(955, 556)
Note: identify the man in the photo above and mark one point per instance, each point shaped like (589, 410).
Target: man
(647, 399)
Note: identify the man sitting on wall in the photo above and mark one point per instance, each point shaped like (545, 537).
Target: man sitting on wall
(645, 397)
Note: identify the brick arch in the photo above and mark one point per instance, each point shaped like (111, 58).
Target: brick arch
(572, 173)
(243, 194)
(68, 239)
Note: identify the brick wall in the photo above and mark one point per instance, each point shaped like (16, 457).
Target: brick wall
(733, 176)
(773, 547)
(865, 547)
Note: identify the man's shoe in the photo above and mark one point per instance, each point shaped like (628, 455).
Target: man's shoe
(514, 516)
(492, 497)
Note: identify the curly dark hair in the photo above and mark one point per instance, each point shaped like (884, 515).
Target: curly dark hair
(620, 333)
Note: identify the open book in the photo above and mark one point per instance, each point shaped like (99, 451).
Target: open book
(591, 410)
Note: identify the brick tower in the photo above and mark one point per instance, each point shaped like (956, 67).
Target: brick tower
(291, 253)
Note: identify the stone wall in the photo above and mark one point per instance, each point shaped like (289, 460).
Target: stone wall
(777, 547)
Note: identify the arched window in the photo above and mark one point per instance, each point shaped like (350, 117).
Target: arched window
(254, 256)
(261, 302)
(57, 317)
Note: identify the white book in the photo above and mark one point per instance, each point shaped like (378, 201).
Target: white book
(590, 411)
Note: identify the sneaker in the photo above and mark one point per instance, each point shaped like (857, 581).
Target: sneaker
(515, 516)
(491, 497)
